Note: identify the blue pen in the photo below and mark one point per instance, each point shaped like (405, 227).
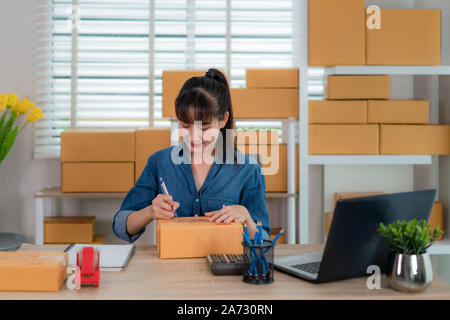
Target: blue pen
(163, 187)
(252, 264)
(275, 239)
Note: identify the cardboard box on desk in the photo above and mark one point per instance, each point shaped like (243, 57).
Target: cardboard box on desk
(415, 139)
(343, 139)
(407, 37)
(336, 32)
(172, 82)
(337, 111)
(32, 271)
(97, 176)
(196, 237)
(69, 230)
(148, 141)
(359, 87)
(98, 146)
(272, 78)
(398, 111)
(264, 103)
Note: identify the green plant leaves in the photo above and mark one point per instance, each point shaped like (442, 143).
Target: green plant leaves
(409, 237)
(8, 142)
(7, 136)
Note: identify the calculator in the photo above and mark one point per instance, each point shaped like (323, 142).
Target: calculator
(226, 264)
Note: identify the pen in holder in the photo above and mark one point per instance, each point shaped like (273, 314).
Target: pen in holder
(258, 265)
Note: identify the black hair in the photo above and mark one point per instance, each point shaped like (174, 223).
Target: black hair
(208, 97)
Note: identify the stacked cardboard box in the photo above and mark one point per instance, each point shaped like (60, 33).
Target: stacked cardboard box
(264, 147)
(97, 160)
(358, 118)
(340, 35)
(73, 229)
(270, 93)
(107, 160)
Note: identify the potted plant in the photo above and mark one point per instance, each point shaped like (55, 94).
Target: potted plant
(14, 117)
(409, 240)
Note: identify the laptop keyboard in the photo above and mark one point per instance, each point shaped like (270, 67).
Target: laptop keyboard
(311, 267)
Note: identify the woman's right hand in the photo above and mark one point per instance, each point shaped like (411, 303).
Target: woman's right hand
(163, 207)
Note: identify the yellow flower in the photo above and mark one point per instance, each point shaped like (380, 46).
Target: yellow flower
(35, 114)
(12, 100)
(24, 105)
(3, 101)
(15, 107)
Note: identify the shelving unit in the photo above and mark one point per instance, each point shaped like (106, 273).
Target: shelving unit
(440, 247)
(46, 197)
(308, 73)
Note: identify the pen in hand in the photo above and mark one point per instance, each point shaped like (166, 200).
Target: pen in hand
(164, 188)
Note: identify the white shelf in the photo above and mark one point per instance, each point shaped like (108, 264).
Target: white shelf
(440, 247)
(392, 70)
(368, 159)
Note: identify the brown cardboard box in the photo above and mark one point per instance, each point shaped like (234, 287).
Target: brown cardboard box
(148, 141)
(406, 37)
(398, 111)
(264, 103)
(69, 229)
(172, 82)
(97, 176)
(97, 145)
(359, 87)
(32, 271)
(415, 139)
(337, 111)
(351, 195)
(257, 137)
(196, 237)
(437, 218)
(343, 139)
(336, 32)
(274, 182)
(99, 239)
(272, 78)
(273, 234)
(328, 219)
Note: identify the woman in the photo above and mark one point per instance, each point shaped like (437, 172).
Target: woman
(201, 176)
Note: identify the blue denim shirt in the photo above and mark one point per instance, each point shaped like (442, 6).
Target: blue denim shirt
(225, 184)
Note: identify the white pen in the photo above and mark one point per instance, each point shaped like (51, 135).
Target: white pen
(163, 186)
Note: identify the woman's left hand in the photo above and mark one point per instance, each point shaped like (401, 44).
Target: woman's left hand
(229, 214)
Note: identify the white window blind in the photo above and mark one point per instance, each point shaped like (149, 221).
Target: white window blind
(120, 48)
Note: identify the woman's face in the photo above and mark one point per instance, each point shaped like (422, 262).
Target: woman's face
(200, 136)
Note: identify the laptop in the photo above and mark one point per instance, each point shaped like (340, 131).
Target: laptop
(353, 243)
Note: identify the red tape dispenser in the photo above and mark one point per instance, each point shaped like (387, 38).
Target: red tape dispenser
(88, 259)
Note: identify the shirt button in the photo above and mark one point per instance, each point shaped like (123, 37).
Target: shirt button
(196, 200)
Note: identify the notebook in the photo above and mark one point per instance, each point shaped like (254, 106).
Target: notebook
(112, 257)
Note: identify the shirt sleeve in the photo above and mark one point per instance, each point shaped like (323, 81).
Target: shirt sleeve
(139, 197)
(254, 199)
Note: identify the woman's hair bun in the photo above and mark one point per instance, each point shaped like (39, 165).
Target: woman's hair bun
(216, 75)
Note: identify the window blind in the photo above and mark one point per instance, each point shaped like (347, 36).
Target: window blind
(120, 48)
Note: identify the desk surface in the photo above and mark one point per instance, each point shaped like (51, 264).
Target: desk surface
(148, 277)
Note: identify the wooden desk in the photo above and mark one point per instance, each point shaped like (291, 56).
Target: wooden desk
(148, 277)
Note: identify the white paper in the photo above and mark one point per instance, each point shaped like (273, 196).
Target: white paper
(112, 257)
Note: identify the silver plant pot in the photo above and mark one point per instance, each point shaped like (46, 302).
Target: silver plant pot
(411, 273)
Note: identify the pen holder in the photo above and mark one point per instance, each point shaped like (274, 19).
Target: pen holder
(258, 265)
